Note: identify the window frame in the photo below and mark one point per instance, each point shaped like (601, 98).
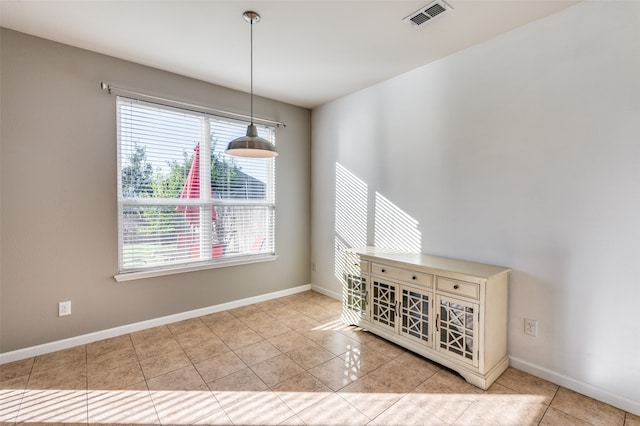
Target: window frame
(209, 262)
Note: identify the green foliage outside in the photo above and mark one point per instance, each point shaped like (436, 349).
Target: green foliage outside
(137, 176)
(139, 181)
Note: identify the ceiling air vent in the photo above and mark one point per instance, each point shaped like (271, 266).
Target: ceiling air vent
(427, 13)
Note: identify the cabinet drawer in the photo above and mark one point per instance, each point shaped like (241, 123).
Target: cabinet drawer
(401, 274)
(356, 267)
(460, 288)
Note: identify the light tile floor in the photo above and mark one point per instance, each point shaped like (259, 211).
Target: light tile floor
(285, 361)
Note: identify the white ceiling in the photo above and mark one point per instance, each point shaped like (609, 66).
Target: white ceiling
(306, 52)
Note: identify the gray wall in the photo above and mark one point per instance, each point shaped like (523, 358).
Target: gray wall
(523, 151)
(59, 206)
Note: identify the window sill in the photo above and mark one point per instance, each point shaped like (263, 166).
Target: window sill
(138, 275)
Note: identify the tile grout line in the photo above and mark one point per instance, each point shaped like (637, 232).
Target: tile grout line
(86, 366)
(146, 380)
(549, 406)
(24, 391)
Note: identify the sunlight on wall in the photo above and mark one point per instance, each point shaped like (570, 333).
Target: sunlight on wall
(395, 229)
(351, 215)
(392, 228)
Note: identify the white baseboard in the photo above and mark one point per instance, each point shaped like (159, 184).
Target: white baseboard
(138, 326)
(322, 290)
(577, 386)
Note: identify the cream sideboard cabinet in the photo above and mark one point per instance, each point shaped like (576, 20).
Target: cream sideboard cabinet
(450, 311)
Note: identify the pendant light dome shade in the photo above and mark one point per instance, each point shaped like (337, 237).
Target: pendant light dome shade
(251, 145)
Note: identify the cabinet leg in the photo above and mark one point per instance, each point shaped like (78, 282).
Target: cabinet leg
(483, 382)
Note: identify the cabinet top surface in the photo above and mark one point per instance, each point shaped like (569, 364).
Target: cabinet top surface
(481, 270)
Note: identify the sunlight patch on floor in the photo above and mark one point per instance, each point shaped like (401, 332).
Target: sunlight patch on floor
(264, 407)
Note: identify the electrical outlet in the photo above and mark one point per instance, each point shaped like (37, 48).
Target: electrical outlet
(531, 327)
(64, 308)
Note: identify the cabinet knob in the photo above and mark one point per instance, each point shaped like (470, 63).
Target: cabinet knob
(414, 277)
(383, 270)
(456, 286)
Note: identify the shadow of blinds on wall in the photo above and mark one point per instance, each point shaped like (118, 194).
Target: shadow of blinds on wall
(394, 228)
(350, 215)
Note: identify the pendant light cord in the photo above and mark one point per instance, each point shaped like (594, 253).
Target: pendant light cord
(251, 71)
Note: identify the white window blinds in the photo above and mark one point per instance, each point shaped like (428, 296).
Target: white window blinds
(181, 199)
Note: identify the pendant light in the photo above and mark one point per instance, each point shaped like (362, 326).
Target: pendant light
(251, 145)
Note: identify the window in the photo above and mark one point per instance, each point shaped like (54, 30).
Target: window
(167, 218)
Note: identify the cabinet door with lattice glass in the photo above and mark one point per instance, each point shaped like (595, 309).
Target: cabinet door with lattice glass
(384, 303)
(416, 314)
(354, 297)
(457, 329)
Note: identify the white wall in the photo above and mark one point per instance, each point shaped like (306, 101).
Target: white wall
(523, 151)
(59, 203)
